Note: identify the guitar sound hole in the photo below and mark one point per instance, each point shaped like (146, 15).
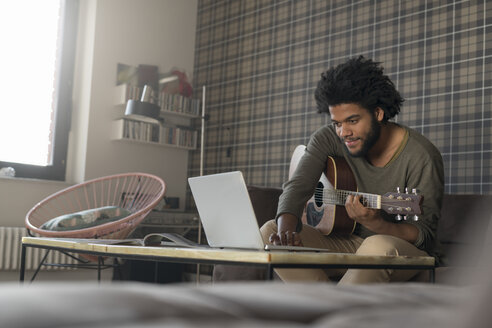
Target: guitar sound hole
(313, 216)
(318, 194)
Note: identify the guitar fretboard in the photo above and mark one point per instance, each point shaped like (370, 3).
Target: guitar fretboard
(338, 197)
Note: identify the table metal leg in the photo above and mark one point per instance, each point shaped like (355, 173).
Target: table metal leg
(433, 275)
(23, 264)
(99, 263)
(269, 272)
(40, 264)
(156, 271)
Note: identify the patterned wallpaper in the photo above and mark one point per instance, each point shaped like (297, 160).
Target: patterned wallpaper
(260, 61)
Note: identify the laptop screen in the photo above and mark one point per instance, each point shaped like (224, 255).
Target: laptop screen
(226, 212)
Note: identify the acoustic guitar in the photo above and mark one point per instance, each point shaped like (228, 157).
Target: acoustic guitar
(325, 210)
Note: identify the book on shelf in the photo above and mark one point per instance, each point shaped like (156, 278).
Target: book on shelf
(179, 136)
(176, 103)
(136, 130)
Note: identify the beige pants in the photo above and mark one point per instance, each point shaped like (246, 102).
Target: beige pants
(373, 245)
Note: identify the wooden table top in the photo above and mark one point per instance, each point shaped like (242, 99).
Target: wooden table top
(230, 255)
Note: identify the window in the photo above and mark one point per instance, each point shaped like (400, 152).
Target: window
(38, 41)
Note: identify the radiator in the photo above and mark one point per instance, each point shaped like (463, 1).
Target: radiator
(11, 247)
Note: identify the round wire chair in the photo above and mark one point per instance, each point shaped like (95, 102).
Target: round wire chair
(138, 193)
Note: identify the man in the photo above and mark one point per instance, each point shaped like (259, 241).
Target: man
(383, 155)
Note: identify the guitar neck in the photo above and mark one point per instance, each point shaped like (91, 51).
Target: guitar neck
(338, 197)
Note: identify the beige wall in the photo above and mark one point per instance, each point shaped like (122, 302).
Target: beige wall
(157, 32)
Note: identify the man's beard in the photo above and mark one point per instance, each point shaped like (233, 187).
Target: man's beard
(370, 140)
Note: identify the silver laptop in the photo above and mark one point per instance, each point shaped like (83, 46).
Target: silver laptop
(227, 215)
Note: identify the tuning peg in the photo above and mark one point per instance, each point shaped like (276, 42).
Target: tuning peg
(406, 190)
(398, 190)
(398, 217)
(415, 191)
(415, 217)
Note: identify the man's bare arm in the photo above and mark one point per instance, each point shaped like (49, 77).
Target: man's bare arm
(286, 231)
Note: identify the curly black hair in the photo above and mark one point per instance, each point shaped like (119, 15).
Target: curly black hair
(358, 81)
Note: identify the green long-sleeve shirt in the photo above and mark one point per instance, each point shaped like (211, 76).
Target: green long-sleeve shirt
(418, 165)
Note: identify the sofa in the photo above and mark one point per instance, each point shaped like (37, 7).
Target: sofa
(461, 233)
(240, 304)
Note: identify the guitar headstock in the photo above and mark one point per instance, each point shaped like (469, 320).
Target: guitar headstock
(402, 203)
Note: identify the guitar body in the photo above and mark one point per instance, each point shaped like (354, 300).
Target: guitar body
(328, 218)
(339, 176)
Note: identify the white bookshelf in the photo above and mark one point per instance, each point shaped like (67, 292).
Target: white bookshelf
(170, 133)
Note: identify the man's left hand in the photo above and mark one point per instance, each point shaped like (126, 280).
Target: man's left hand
(368, 217)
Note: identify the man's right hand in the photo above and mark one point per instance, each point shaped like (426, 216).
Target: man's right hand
(286, 231)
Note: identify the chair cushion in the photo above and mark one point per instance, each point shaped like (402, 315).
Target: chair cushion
(86, 219)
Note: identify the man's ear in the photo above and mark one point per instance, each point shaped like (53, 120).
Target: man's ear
(379, 114)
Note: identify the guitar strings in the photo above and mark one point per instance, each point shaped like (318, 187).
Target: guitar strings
(339, 197)
(367, 195)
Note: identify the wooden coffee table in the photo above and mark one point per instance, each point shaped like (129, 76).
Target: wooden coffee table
(268, 259)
